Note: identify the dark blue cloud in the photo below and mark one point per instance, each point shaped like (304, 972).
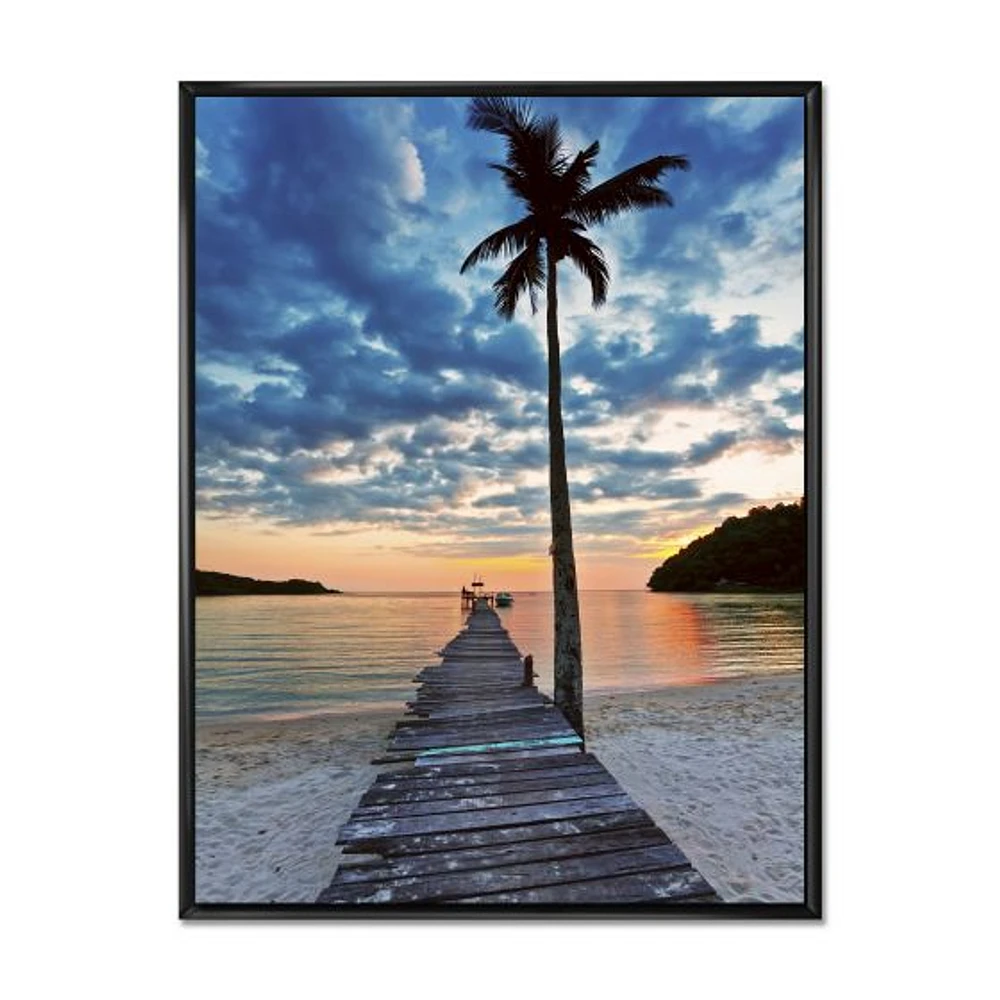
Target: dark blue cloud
(690, 363)
(736, 230)
(791, 402)
(728, 156)
(712, 447)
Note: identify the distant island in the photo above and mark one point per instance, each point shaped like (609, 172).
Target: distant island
(766, 550)
(208, 584)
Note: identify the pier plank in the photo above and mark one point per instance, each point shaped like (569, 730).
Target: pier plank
(444, 788)
(369, 829)
(664, 886)
(479, 737)
(496, 764)
(455, 840)
(509, 878)
(441, 862)
(511, 755)
(432, 806)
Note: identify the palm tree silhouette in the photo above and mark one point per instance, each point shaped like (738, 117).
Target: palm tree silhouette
(561, 204)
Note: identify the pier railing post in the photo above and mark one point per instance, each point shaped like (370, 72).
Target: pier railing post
(529, 671)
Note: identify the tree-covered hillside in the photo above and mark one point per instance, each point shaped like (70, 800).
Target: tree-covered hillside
(207, 584)
(766, 550)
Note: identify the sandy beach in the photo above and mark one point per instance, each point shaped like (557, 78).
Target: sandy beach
(270, 798)
(719, 768)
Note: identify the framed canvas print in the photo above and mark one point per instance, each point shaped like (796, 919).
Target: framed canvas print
(500, 557)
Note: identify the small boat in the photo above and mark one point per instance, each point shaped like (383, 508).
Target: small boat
(503, 599)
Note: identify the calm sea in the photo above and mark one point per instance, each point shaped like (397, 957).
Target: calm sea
(272, 657)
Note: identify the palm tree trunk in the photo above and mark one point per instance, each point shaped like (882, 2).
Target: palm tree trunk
(567, 658)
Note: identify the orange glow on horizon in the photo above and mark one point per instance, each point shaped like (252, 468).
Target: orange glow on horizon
(663, 549)
(360, 563)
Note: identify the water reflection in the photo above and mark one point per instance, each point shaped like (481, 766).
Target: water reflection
(295, 655)
(634, 639)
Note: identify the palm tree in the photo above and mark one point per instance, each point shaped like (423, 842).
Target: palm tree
(561, 203)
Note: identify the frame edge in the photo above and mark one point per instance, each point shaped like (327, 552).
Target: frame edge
(186, 150)
(814, 502)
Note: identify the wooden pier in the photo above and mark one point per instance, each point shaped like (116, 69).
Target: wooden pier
(493, 800)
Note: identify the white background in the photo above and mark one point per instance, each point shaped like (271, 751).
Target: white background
(89, 397)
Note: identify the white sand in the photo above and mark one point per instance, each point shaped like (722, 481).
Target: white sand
(270, 798)
(721, 770)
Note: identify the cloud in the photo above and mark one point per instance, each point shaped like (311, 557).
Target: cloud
(740, 155)
(684, 360)
(348, 376)
(412, 186)
(736, 230)
(713, 446)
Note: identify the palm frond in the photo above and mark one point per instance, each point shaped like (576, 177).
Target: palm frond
(589, 258)
(517, 183)
(575, 179)
(550, 146)
(516, 121)
(502, 115)
(503, 242)
(632, 188)
(524, 274)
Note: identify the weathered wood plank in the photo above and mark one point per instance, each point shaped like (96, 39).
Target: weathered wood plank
(420, 791)
(441, 778)
(530, 714)
(455, 840)
(529, 876)
(377, 796)
(440, 806)
(502, 764)
(430, 711)
(372, 830)
(460, 710)
(484, 731)
(683, 885)
(521, 711)
(533, 753)
(471, 693)
(442, 862)
(482, 738)
(421, 759)
(479, 731)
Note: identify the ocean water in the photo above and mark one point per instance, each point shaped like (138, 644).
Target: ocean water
(276, 656)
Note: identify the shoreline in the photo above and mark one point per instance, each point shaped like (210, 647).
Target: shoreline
(719, 768)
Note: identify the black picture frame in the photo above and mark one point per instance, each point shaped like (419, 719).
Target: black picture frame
(812, 906)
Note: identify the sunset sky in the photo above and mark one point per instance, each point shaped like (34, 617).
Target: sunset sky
(364, 418)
